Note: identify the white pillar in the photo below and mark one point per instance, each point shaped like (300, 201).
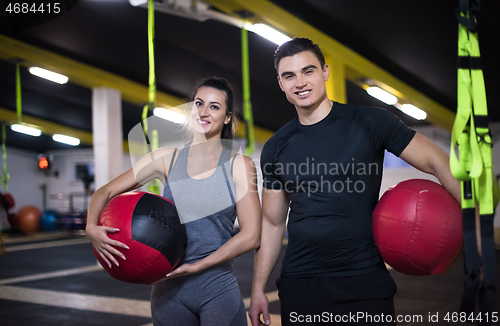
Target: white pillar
(107, 135)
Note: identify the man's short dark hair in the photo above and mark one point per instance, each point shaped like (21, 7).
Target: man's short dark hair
(295, 46)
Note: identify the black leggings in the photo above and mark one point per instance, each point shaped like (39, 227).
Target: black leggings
(211, 298)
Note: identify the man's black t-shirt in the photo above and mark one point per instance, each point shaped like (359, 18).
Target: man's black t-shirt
(332, 171)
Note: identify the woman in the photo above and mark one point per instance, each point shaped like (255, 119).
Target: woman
(210, 185)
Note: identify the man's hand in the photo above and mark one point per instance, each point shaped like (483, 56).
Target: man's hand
(259, 305)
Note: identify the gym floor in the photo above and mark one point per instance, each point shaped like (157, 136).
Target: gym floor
(53, 279)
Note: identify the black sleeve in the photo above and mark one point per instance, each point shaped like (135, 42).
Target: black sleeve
(389, 132)
(271, 180)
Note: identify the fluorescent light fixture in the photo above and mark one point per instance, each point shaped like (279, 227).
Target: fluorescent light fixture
(26, 130)
(413, 111)
(47, 74)
(169, 115)
(268, 32)
(382, 95)
(136, 3)
(66, 139)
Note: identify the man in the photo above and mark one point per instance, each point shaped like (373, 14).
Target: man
(325, 166)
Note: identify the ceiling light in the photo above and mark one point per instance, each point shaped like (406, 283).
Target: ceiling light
(26, 130)
(136, 3)
(382, 95)
(169, 115)
(267, 32)
(66, 139)
(47, 74)
(413, 111)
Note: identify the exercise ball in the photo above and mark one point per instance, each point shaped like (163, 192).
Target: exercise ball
(29, 219)
(417, 227)
(149, 225)
(13, 220)
(50, 220)
(7, 201)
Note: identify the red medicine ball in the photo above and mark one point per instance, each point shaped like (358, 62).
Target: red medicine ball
(417, 227)
(149, 225)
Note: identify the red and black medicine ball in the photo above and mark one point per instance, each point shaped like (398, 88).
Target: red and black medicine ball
(417, 227)
(149, 225)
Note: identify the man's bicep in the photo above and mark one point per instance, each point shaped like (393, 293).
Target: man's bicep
(424, 154)
(275, 204)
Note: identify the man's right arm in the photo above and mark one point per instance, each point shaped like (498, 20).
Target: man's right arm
(275, 204)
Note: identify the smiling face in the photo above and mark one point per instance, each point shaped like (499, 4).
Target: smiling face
(209, 113)
(301, 78)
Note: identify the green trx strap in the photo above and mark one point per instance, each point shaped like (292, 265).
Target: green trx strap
(152, 76)
(5, 176)
(4, 180)
(247, 104)
(18, 93)
(153, 186)
(474, 167)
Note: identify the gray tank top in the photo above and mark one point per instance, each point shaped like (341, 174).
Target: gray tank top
(206, 206)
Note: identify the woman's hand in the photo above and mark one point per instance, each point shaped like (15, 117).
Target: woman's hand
(183, 270)
(104, 246)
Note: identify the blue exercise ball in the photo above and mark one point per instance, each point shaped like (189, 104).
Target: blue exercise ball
(50, 220)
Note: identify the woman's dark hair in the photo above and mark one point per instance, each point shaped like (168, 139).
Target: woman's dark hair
(223, 85)
(295, 46)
